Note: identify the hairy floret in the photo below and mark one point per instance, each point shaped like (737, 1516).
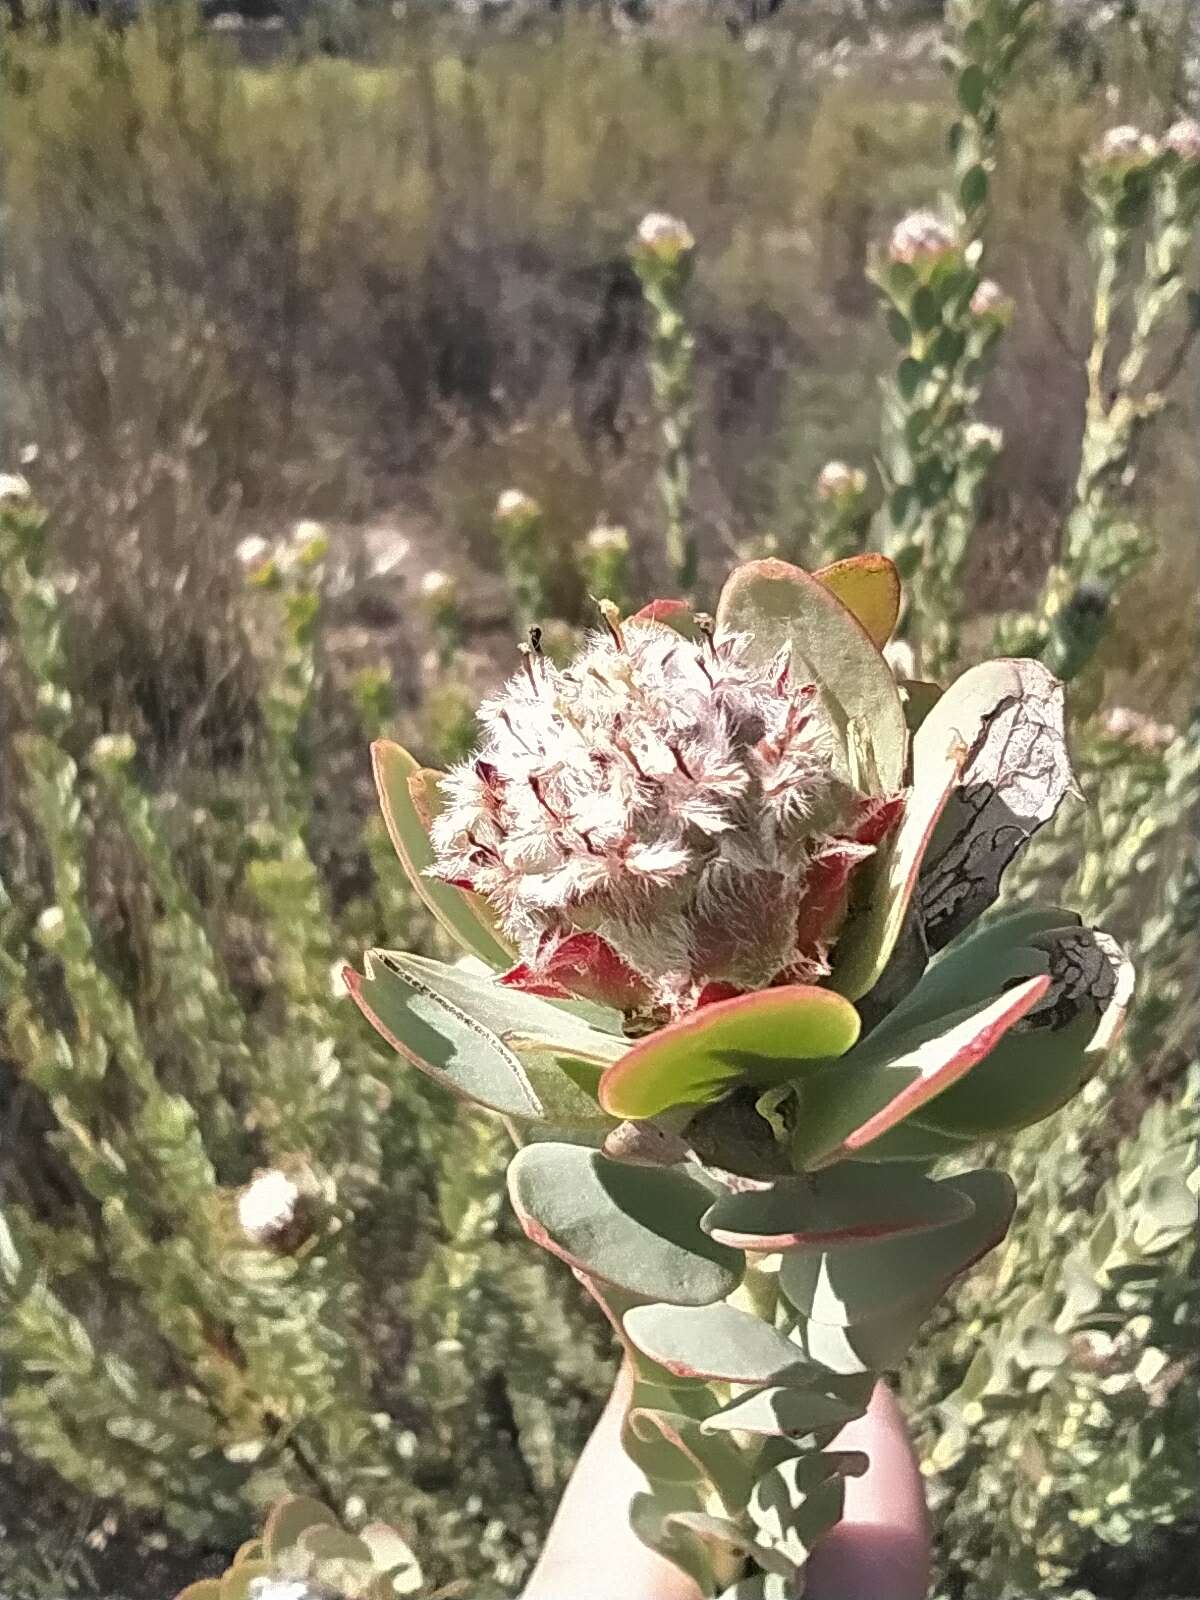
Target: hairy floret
(665, 798)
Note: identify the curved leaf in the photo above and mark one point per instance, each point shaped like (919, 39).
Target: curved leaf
(799, 1500)
(442, 1041)
(1008, 715)
(1045, 1061)
(844, 1206)
(733, 1538)
(756, 1038)
(289, 1518)
(779, 604)
(842, 1287)
(408, 798)
(716, 1342)
(868, 586)
(846, 1105)
(635, 1227)
(787, 1413)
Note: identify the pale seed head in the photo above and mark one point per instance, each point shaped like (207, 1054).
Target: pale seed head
(659, 234)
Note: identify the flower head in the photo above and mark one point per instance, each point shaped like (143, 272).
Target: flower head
(659, 824)
(921, 236)
(1182, 139)
(1125, 147)
(663, 236)
(990, 300)
(271, 1211)
(837, 481)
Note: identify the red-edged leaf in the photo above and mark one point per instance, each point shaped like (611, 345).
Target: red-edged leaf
(583, 965)
(635, 1227)
(760, 1038)
(670, 612)
(849, 1103)
(780, 604)
(848, 1205)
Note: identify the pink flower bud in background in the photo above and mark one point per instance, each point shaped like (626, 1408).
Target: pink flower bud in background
(921, 236)
(1182, 139)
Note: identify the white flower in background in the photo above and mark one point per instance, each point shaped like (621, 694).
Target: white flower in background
(270, 1210)
(253, 552)
(14, 487)
(990, 300)
(1126, 146)
(514, 503)
(1182, 138)
(921, 236)
(660, 234)
(838, 481)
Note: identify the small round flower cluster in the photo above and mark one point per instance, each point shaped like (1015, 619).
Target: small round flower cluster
(990, 300)
(1125, 146)
(1182, 139)
(659, 824)
(922, 236)
(838, 481)
(663, 236)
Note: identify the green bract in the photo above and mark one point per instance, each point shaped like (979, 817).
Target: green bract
(739, 1171)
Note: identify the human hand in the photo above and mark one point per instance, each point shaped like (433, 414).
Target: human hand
(879, 1550)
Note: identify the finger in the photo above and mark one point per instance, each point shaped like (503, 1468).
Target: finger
(880, 1550)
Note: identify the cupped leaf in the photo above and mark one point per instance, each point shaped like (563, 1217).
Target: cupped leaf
(289, 1519)
(1046, 1059)
(846, 1105)
(647, 1518)
(789, 1413)
(409, 799)
(244, 1581)
(781, 605)
(442, 1041)
(723, 1534)
(868, 586)
(842, 1287)
(714, 1459)
(715, 1342)
(873, 1345)
(889, 880)
(635, 1227)
(799, 1500)
(911, 1141)
(759, 1039)
(1007, 716)
(844, 1206)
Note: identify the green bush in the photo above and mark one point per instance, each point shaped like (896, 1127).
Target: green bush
(382, 291)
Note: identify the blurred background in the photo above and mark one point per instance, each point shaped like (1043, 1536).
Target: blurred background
(293, 294)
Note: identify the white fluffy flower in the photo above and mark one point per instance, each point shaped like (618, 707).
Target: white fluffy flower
(1126, 146)
(1183, 139)
(920, 236)
(270, 1209)
(661, 234)
(646, 821)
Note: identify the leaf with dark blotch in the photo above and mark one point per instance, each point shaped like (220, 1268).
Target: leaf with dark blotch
(717, 1342)
(1009, 715)
(842, 1207)
(850, 1103)
(635, 1227)
(842, 1286)
(1052, 1052)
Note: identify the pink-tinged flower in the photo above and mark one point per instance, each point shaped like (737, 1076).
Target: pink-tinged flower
(659, 824)
(1182, 139)
(921, 236)
(1125, 146)
(990, 300)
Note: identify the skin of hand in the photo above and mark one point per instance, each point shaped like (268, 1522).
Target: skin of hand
(879, 1550)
